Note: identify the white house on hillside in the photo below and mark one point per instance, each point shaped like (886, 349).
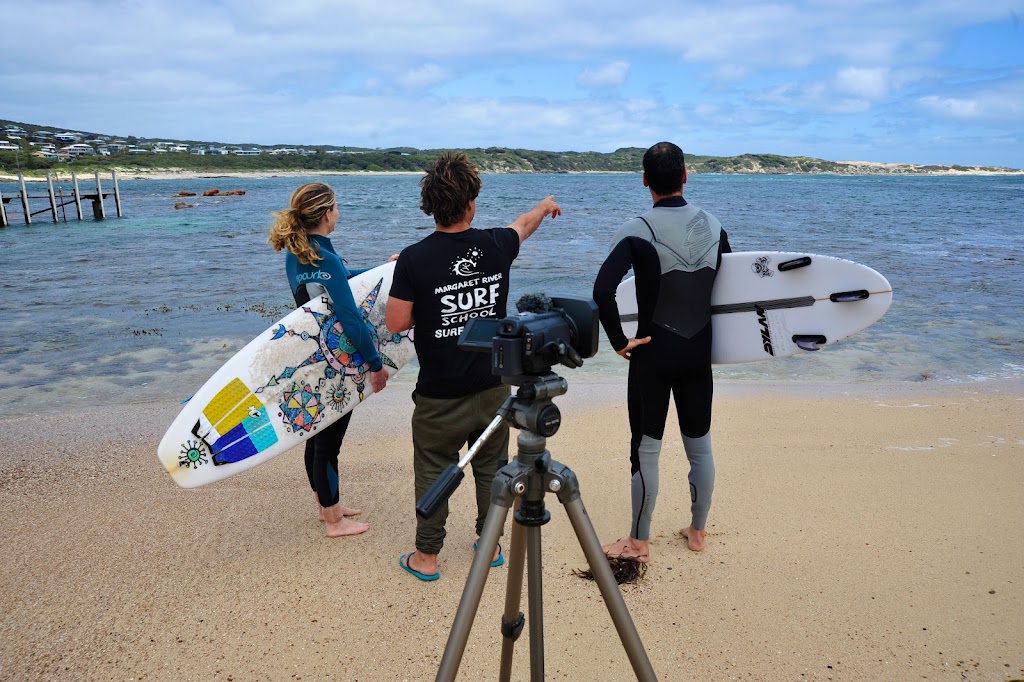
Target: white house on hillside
(80, 149)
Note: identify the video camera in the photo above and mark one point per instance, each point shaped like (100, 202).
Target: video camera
(547, 331)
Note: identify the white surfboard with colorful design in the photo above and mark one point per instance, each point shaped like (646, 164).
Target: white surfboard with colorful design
(299, 376)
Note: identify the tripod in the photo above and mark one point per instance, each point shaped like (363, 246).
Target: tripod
(527, 479)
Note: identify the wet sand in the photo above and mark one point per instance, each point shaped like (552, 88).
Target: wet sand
(853, 536)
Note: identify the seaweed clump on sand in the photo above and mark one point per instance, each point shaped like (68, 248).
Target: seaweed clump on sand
(625, 570)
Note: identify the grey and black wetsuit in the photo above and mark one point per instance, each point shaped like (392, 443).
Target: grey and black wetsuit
(330, 277)
(675, 250)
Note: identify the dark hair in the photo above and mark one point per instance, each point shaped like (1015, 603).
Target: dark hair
(664, 166)
(450, 184)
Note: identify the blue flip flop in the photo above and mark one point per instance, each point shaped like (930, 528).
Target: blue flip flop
(497, 562)
(403, 561)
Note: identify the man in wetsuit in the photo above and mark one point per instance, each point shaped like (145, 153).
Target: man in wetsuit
(675, 250)
(454, 274)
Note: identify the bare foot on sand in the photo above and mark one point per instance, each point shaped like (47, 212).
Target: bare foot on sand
(629, 548)
(345, 526)
(345, 511)
(694, 538)
(337, 525)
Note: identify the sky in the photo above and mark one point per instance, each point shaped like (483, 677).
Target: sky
(903, 81)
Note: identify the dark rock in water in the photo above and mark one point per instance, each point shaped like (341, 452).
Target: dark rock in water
(184, 193)
(211, 192)
(182, 204)
(233, 193)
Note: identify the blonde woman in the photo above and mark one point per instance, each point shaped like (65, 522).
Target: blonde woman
(314, 268)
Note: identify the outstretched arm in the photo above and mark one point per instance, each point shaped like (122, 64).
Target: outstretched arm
(527, 224)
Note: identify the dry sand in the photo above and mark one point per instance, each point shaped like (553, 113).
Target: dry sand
(855, 537)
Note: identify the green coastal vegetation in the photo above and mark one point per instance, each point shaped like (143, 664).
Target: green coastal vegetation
(34, 149)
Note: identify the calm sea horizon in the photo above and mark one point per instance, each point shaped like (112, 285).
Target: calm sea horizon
(146, 307)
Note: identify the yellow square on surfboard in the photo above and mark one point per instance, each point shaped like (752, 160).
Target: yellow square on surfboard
(230, 406)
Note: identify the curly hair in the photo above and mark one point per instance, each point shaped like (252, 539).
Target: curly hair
(290, 229)
(448, 187)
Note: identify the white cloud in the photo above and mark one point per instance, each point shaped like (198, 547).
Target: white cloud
(951, 106)
(865, 83)
(609, 76)
(423, 77)
(998, 103)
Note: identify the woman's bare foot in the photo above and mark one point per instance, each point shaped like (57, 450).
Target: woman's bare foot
(629, 548)
(345, 527)
(694, 538)
(345, 511)
(350, 511)
(337, 525)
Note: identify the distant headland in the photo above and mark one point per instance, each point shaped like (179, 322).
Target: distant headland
(35, 149)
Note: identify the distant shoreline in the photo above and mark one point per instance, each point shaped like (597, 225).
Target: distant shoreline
(857, 168)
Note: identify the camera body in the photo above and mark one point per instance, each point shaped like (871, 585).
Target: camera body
(559, 330)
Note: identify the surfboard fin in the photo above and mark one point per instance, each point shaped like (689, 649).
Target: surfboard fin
(847, 296)
(809, 341)
(802, 262)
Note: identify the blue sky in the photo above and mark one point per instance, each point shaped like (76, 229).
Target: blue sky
(936, 81)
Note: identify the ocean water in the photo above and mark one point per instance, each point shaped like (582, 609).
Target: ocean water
(148, 306)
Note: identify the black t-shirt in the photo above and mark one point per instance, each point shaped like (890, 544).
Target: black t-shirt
(451, 278)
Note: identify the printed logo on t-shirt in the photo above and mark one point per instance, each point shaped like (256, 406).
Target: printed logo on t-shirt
(477, 295)
(466, 265)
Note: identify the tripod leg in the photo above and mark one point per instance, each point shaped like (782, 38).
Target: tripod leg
(512, 619)
(535, 599)
(474, 589)
(613, 600)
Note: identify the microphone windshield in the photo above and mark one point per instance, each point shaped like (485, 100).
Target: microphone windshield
(533, 303)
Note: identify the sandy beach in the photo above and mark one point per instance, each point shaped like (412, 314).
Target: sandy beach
(855, 535)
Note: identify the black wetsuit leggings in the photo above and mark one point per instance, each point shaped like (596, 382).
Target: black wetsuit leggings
(322, 461)
(669, 363)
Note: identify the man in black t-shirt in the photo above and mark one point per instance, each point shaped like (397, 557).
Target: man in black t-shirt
(451, 276)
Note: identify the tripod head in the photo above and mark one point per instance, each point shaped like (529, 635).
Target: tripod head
(531, 408)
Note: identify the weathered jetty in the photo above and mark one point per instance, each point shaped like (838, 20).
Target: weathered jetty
(57, 200)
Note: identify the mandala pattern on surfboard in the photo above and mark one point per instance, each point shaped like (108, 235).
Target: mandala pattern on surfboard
(342, 363)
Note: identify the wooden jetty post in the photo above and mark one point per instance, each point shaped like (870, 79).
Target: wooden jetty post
(117, 193)
(53, 199)
(99, 209)
(76, 194)
(99, 212)
(24, 199)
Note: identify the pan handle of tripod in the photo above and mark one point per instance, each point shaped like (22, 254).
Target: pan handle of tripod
(451, 477)
(438, 493)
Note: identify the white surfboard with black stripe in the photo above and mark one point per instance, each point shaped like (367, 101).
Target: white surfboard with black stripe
(770, 304)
